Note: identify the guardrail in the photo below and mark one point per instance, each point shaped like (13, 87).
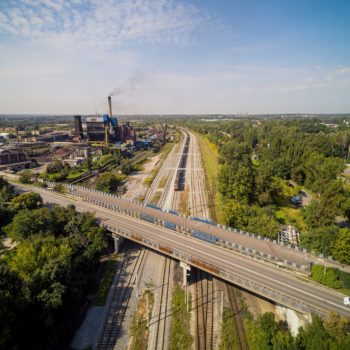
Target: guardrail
(230, 276)
(247, 252)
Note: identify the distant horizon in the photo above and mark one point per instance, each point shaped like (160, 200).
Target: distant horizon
(175, 114)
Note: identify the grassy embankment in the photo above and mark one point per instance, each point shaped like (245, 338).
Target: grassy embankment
(139, 329)
(109, 267)
(211, 166)
(164, 153)
(228, 337)
(180, 337)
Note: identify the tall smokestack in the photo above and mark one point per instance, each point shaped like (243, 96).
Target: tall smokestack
(110, 106)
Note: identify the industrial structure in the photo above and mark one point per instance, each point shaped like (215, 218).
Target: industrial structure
(106, 129)
(14, 158)
(78, 127)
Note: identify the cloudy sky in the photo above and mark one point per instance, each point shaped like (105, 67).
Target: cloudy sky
(169, 56)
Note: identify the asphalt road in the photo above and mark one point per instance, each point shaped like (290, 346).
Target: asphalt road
(284, 282)
(266, 247)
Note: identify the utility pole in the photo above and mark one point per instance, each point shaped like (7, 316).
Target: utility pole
(186, 296)
(222, 306)
(147, 311)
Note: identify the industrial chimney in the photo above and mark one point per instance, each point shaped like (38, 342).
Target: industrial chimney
(110, 106)
(78, 127)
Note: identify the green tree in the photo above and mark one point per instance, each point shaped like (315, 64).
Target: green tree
(28, 223)
(6, 191)
(27, 200)
(320, 240)
(263, 223)
(235, 214)
(316, 215)
(269, 325)
(313, 336)
(59, 188)
(341, 247)
(328, 276)
(25, 177)
(108, 182)
(126, 167)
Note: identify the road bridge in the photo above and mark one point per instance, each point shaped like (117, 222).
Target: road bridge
(253, 245)
(271, 281)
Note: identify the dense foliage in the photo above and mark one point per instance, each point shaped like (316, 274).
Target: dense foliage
(43, 279)
(264, 163)
(108, 182)
(266, 333)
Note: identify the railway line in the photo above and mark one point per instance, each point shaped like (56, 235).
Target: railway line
(237, 318)
(128, 267)
(160, 322)
(203, 283)
(161, 318)
(204, 305)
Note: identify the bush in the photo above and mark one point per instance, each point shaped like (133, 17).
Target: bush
(344, 277)
(108, 182)
(25, 177)
(328, 277)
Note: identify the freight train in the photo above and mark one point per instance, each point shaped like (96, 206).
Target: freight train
(181, 171)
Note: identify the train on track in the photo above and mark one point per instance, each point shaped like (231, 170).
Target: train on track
(181, 171)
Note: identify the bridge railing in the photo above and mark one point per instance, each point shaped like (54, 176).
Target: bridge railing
(236, 278)
(247, 252)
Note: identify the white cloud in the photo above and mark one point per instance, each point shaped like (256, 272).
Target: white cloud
(102, 24)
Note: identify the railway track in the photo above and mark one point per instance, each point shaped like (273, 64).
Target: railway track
(204, 283)
(237, 317)
(162, 312)
(124, 284)
(204, 297)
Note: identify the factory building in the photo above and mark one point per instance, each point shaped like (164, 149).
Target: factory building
(13, 157)
(102, 129)
(106, 129)
(126, 133)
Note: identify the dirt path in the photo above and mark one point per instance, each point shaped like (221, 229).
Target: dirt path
(136, 189)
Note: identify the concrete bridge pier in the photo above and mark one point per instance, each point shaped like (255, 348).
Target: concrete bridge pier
(185, 268)
(118, 241)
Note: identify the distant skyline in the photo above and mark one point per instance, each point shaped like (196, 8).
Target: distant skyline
(174, 57)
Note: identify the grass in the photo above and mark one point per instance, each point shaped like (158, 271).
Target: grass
(285, 212)
(180, 337)
(228, 338)
(166, 150)
(139, 329)
(74, 174)
(148, 180)
(110, 267)
(162, 182)
(290, 216)
(183, 205)
(211, 166)
(156, 197)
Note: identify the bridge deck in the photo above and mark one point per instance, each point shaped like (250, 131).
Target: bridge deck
(251, 274)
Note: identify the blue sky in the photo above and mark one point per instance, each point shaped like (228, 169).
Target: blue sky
(168, 56)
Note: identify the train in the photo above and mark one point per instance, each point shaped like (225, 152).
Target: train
(181, 171)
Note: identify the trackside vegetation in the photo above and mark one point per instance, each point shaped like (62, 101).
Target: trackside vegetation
(139, 328)
(265, 163)
(331, 277)
(44, 278)
(180, 336)
(265, 333)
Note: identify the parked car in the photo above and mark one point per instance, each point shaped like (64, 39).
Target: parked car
(347, 301)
